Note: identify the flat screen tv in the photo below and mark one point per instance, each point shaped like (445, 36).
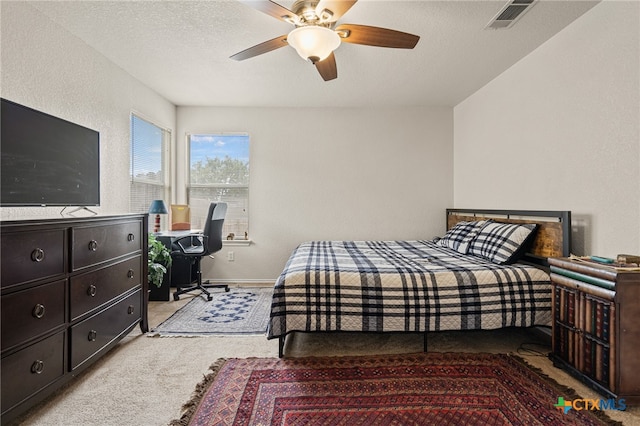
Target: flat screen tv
(46, 161)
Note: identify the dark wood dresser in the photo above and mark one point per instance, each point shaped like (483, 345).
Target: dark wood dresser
(596, 336)
(71, 289)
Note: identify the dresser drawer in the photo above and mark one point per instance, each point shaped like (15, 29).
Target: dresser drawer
(32, 312)
(99, 243)
(29, 256)
(26, 372)
(96, 332)
(90, 290)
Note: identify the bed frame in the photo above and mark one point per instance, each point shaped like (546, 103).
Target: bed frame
(552, 239)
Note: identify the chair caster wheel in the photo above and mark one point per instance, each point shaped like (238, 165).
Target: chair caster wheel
(176, 297)
(209, 298)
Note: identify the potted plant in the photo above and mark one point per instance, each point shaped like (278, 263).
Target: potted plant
(159, 262)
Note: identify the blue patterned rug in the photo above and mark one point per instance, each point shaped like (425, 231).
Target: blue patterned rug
(241, 311)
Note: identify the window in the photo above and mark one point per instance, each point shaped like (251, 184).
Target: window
(219, 172)
(149, 164)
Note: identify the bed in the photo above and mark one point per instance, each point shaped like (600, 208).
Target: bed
(487, 271)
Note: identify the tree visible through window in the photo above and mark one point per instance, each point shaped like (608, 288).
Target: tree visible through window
(219, 172)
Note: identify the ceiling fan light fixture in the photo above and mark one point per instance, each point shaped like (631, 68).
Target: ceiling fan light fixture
(325, 15)
(313, 42)
(288, 18)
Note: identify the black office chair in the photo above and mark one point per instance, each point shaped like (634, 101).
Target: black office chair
(195, 247)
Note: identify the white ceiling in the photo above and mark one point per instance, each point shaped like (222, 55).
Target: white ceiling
(181, 50)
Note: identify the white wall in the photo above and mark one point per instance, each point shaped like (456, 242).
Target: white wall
(331, 174)
(47, 68)
(315, 173)
(560, 130)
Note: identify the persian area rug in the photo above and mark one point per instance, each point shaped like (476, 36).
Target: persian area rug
(240, 311)
(415, 389)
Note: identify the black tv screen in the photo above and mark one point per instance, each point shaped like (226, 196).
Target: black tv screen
(47, 161)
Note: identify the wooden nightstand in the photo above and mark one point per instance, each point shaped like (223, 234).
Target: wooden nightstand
(596, 325)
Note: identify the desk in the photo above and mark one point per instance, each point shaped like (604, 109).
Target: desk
(174, 235)
(182, 269)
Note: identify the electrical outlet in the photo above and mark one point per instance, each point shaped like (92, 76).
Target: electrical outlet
(230, 256)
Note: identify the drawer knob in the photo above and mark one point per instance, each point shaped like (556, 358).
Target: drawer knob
(37, 255)
(130, 309)
(130, 273)
(93, 245)
(131, 237)
(38, 311)
(37, 367)
(91, 291)
(92, 335)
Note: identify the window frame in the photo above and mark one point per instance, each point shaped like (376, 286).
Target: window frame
(165, 186)
(240, 240)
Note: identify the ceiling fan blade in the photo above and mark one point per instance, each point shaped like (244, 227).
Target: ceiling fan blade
(261, 48)
(327, 68)
(272, 8)
(336, 7)
(375, 36)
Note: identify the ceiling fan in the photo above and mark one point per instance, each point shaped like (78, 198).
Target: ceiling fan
(316, 35)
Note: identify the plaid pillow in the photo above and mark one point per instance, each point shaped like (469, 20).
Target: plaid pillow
(460, 236)
(501, 242)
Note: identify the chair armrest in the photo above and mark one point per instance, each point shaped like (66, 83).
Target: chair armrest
(187, 242)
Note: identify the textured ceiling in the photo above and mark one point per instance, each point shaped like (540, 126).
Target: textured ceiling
(181, 50)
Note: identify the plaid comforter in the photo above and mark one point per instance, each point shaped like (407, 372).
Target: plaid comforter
(409, 286)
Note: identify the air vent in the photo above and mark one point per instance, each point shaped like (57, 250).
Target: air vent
(510, 13)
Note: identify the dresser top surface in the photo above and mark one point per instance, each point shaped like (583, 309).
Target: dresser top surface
(64, 220)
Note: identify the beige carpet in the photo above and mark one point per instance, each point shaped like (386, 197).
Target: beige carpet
(144, 381)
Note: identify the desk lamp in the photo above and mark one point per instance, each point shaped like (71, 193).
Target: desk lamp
(157, 207)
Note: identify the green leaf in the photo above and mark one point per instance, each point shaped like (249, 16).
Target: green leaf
(159, 259)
